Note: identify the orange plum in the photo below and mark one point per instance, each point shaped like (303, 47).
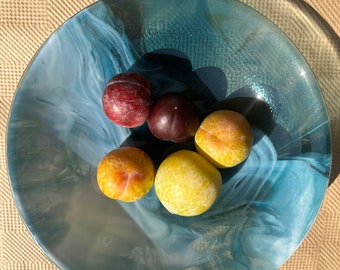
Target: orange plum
(126, 174)
(224, 138)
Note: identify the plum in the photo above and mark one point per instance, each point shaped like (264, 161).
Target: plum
(174, 118)
(224, 138)
(126, 99)
(187, 184)
(126, 174)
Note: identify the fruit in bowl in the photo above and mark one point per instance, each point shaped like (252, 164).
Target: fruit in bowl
(224, 138)
(126, 174)
(187, 184)
(127, 99)
(173, 118)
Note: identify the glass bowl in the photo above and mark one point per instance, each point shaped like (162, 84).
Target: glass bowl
(218, 52)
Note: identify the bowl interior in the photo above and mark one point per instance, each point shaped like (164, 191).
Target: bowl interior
(229, 55)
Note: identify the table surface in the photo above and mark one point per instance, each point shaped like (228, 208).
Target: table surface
(24, 26)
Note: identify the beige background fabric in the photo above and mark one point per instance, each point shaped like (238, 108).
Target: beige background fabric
(25, 25)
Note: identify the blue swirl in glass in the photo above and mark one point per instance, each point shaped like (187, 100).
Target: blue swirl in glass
(57, 134)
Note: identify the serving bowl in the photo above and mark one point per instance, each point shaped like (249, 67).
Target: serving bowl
(228, 53)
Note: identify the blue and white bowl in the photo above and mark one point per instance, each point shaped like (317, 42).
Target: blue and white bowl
(57, 134)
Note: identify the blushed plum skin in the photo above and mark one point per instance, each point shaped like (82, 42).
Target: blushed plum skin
(126, 99)
(173, 118)
(224, 138)
(126, 174)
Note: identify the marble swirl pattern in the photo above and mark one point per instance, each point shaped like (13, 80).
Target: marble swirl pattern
(58, 133)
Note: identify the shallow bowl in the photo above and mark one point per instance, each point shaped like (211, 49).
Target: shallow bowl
(222, 54)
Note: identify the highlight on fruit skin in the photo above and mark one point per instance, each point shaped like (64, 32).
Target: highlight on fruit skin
(187, 184)
(126, 174)
(224, 138)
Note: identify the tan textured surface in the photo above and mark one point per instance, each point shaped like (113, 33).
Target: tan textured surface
(24, 26)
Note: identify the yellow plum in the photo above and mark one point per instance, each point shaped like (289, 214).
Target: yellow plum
(224, 138)
(187, 184)
(126, 174)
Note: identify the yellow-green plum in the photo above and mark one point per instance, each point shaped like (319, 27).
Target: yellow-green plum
(187, 184)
